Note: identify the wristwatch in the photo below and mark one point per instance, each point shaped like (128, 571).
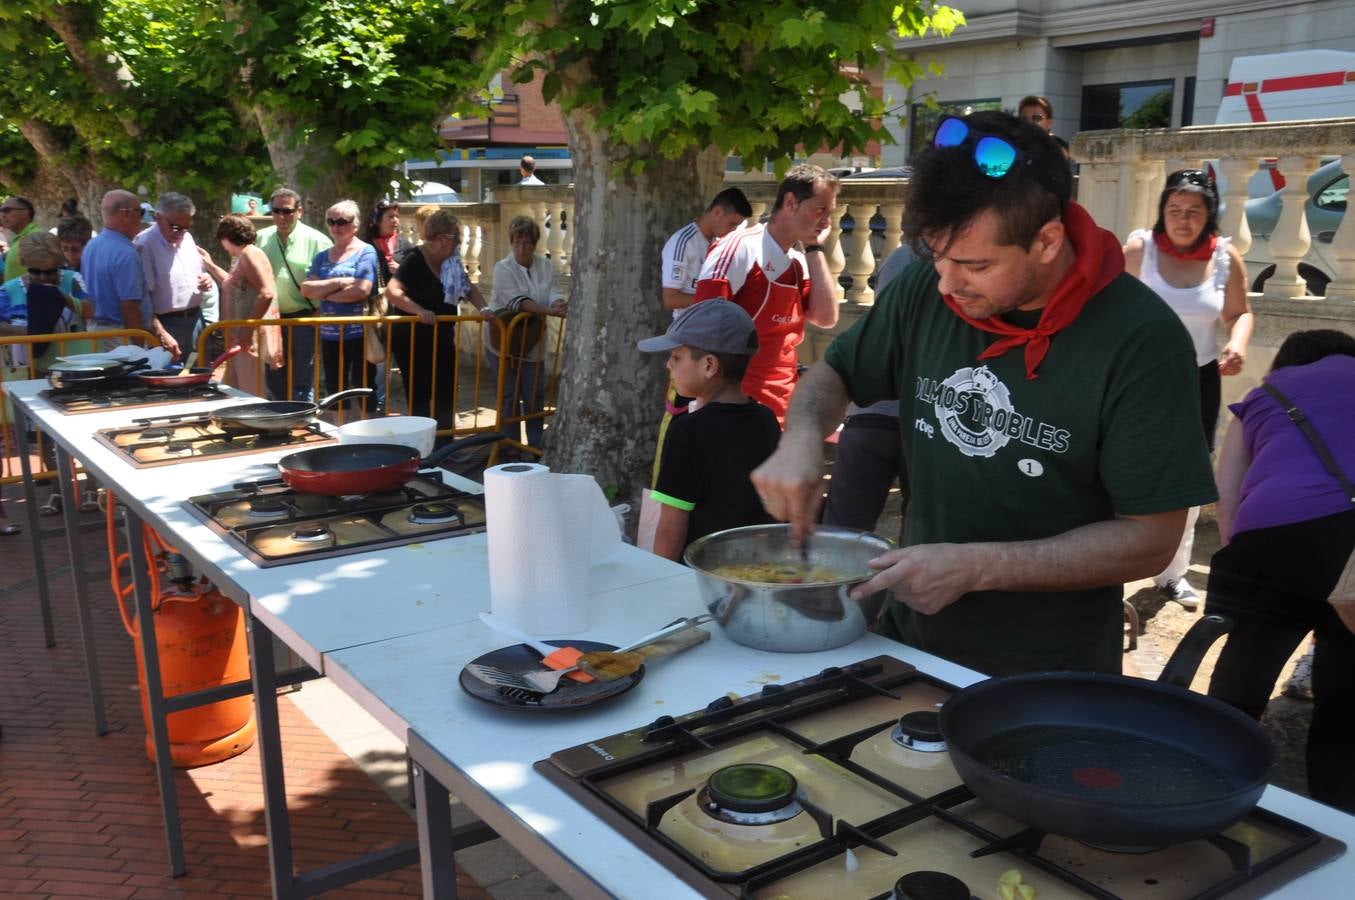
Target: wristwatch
(813, 248)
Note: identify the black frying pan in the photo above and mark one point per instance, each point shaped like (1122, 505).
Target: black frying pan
(1108, 759)
(278, 415)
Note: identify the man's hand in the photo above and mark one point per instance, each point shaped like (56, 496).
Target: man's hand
(426, 316)
(925, 577)
(204, 282)
(167, 341)
(558, 308)
(790, 485)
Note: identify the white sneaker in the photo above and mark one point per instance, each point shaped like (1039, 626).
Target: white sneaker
(1179, 589)
(1300, 683)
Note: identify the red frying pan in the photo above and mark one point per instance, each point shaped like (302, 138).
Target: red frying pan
(343, 469)
(186, 377)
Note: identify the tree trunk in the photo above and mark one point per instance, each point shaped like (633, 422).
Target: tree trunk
(82, 179)
(313, 171)
(611, 394)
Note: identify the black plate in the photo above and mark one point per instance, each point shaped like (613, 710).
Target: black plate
(569, 695)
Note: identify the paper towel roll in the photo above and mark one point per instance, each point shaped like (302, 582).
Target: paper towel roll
(545, 532)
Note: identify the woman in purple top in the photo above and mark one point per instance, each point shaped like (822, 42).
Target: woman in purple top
(1288, 528)
(342, 278)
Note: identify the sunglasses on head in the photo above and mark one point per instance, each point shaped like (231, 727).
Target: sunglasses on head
(33, 271)
(995, 156)
(337, 223)
(1190, 176)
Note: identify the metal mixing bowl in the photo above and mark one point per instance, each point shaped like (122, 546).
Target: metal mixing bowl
(790, 618)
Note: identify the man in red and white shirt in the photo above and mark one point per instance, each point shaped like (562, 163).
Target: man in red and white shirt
(778, 284)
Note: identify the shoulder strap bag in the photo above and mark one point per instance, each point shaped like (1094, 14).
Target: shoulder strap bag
(1298, 418)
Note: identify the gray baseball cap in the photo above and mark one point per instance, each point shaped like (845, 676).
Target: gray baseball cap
(717, 326)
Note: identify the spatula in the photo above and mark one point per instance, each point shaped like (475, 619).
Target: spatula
(552, 657)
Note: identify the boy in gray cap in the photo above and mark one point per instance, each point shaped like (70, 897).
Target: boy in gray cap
(703, 483)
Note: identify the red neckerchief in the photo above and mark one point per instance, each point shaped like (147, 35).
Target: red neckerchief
(1099, 260)
(386, 245)
(1201, 251)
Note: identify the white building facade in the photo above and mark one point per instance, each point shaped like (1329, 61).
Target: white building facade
(1140, 64)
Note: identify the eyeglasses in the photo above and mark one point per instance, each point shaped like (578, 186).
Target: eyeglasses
(339, 223)
(1190, 176)
(994, 156)
(283, 210)
(10, 208)
(33, 271)
(1036, 117)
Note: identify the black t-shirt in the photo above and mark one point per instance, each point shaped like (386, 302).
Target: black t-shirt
(707, 458)
(422, 284)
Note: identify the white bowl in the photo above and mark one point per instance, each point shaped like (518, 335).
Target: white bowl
(418, 432)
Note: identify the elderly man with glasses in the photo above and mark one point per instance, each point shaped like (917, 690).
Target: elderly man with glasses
(16, 214)
(1049, 413)
(290, 246)
(175, 279)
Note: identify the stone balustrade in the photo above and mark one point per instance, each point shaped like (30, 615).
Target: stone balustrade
(1121, 175)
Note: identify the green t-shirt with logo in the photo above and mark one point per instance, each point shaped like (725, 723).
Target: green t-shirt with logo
(1110, 426)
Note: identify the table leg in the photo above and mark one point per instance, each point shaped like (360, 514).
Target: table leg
(436, 859)
(269, 739)
(70, 505)
(155, 695)
(34, 531)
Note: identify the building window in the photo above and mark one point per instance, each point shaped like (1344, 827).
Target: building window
(1134, 104)
(1188, 102)
(924, 118)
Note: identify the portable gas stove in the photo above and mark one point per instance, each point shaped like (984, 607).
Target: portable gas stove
(274, 525)
(839, 785)
(127, 394)
(161, 440)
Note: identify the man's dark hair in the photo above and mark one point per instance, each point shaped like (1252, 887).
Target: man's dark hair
(25, 203)
(802, 181)
(733, 200)
(947, 192)
(1190, 181)
(1036, 100)
(75, 228)
(1304, 347)
(70, 207)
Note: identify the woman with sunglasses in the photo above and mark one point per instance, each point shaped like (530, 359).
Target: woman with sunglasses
(1202, 277)
(48, 298)
(342, 279)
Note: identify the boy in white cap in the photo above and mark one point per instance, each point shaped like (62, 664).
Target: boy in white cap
(703, 483)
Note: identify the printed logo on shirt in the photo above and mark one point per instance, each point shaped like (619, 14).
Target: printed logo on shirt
(677, 272)
(975, 413)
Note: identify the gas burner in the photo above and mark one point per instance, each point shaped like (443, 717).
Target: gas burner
(312, 534)
(436, 513)
(930, 886)
(179, 446)
(750, 794)
(269, 508)
(156, 434)
(920, 731)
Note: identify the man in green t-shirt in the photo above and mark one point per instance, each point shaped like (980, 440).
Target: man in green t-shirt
(290, 245)
(1046, 410)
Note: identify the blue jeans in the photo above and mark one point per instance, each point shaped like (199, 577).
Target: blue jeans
(298, 346)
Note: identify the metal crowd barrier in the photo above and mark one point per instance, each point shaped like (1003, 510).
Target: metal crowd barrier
(479, 379)
(67, 343)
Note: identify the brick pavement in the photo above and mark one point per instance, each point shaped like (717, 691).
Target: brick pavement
(80, 814)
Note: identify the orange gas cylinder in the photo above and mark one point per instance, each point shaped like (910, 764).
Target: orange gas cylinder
(201, 641)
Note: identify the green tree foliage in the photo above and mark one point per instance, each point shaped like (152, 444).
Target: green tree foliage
(757, 79)
(330, 95)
